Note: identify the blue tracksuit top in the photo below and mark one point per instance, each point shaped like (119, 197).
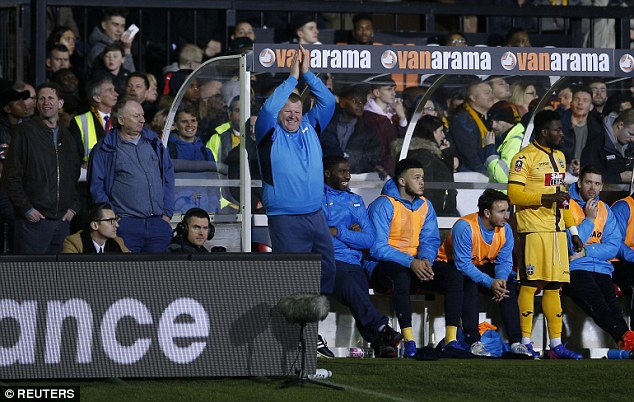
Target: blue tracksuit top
(621, 211)
(381, 213)
(290, 163)
(462, 250)
(597, 254)
(343, 209)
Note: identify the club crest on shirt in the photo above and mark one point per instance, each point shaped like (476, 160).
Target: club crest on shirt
(554, 179)
(530, 270)
(561, 163)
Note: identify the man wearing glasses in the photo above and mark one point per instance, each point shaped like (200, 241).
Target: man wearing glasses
(99, 235)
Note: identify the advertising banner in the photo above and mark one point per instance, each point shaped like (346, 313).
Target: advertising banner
(126, 316)
(439, 60)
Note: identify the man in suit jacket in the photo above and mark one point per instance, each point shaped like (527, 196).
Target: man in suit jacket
(100, 234)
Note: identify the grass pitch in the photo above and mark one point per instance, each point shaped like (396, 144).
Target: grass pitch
(396, 380)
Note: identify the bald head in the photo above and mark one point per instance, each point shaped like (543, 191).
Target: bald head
(131, 119)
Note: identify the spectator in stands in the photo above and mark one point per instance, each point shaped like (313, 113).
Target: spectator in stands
(226, 136)
(517, 37)
(430, 147)
(363, 30)
(29, 103)
(535, 187)
(184, 143)
(292, 172)
(99, 235)
(39, 177)
(152, 93)
(343, 126)
(611, 153)
(57, 58)
(111, 65)
(617, 103)
(92, 126)
(137, 88)
(158, 122)
(503, 141)
(579, 127)
(406, 244)
(111, 30)
(63, 35)
(140, 185)
(304, 30)
(384, 121)
(352, 232)
(501, 88)
(469, 127)
(73, 99)
(190, 57)
(12, 111)
(590, 268)
(192, 232)
(522, 94)
(599, 96)
(212, 110)
(623, 274)
(455, 39)
(243, 29)
(564, 96)
(480, 246)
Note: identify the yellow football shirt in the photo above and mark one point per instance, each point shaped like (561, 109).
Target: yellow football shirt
(539, 171)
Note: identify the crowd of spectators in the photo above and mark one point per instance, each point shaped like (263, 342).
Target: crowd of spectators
(108, 157)
(467, 125)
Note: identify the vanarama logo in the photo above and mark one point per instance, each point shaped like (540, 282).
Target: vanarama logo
(388, 59)
(626, 63)
(508, 61)
(324, 58)
(267, 57)
(443, 60)
(557, 61)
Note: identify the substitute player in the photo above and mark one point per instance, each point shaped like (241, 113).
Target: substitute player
(537, 188)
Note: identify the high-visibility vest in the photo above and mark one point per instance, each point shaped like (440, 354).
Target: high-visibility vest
(406, 226)
(599, 222)
(86, 125)
(481, 251)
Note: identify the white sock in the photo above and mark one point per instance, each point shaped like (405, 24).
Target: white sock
(526, 341)
(554, 342)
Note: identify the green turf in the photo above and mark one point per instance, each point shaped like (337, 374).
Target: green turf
(382, 380)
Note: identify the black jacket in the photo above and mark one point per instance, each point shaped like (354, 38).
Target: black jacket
(601, 153)
(183, 246)
(37, 175)
(437, 169)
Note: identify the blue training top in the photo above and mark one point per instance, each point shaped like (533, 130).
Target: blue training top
(290, 163)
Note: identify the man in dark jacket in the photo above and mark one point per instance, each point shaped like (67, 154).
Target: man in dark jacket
(39, 177)
(610, 152)
(192, 233)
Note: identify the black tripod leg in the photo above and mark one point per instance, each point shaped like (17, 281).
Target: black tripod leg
(324, 384)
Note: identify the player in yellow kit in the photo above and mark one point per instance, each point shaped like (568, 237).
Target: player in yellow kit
(537, 187)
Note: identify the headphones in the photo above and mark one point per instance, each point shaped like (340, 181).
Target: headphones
(183, 228)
